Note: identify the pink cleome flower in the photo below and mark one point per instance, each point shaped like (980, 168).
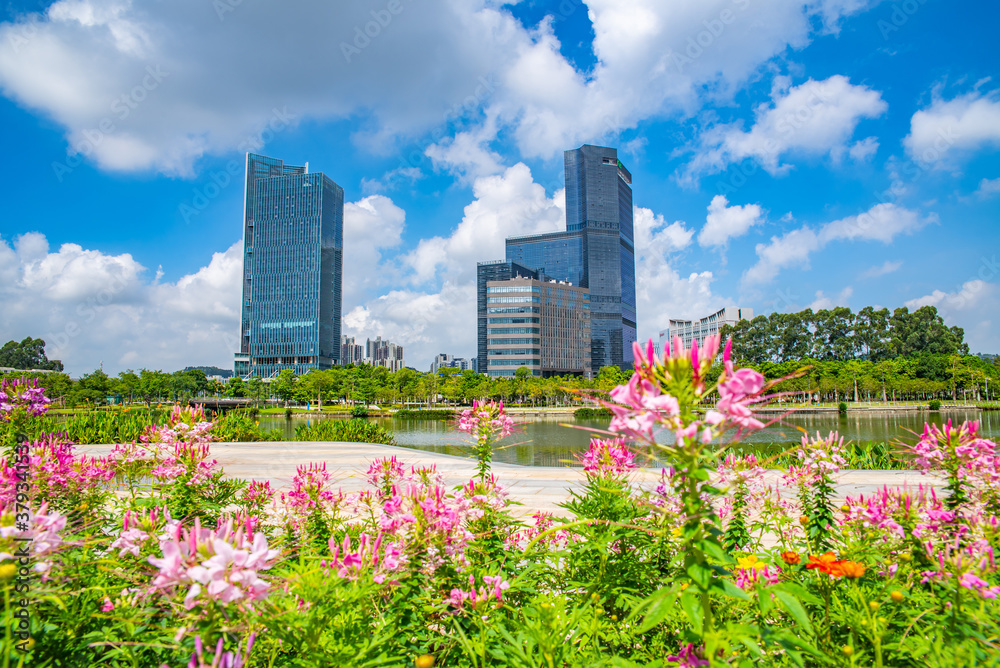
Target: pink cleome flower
(218, 566)
(608, 458)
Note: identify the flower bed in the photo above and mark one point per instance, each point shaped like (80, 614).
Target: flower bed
(149, 557)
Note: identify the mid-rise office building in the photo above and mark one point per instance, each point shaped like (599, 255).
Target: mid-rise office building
(689, 331)
(543, 325)
(293, 224)
(494, 270)
(596, 251)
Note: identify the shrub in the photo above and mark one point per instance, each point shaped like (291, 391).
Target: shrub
(113, 425)
(359, 411)
(429, 414)
(587, 413)
(935, 405)
(842, 408)
(353, 430)
(242, 427)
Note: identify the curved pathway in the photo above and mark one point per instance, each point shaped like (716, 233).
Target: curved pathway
(537, 488)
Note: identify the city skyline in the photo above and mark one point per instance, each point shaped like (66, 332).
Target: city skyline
(786, 155)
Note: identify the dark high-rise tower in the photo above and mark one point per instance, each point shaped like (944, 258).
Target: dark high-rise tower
(596, 251)
(292, 269)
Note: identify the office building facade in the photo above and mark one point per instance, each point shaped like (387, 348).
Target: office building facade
(689, 331)
(596, 251)
(493, 270)
(543, 325)
(292, 269)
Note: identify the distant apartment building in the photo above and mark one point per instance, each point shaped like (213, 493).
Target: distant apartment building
(293, 225)
(384, 353)
(543, 325)
(351, 352)
(444, 360)
(696, 330)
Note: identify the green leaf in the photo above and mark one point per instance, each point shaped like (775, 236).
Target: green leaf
(691, 603)
(802, 593)
(733, 591)
(717, 552)
(662, 602)
(700, 574)
(795, 609)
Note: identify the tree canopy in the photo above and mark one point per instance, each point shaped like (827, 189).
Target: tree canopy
(28, 354)
(838, 334)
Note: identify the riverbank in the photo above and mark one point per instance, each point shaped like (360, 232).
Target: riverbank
(535, 488)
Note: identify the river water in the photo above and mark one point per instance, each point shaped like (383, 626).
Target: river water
(546, 442)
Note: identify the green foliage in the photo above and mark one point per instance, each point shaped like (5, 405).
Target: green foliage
(428, 414)
(28, 354)
(839, 334)
(112, 425)
(935, 405)
(587, 413)
(240, 427)
(359, 411)
(353, 430)
(842, 408)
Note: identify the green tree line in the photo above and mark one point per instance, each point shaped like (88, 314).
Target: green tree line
(839, 334)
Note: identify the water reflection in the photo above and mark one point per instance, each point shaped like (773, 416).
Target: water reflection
(546, 443)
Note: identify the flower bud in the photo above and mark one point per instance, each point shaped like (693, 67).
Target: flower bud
(425, 661)
(873, 605)
(847, 650)
(896, 596)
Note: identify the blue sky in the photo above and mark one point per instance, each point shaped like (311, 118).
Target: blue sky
(785, 155)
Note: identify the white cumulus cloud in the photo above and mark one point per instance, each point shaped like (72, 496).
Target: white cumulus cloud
(974, 305)
(143, 85)
(727, 222)
(883, 222)
(949, 130)
(815, 118)
(91, 307)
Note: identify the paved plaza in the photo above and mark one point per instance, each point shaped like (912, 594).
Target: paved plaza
(537, 488)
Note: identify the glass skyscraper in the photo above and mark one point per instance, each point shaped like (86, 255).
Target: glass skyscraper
(293, 224)
(596, 251)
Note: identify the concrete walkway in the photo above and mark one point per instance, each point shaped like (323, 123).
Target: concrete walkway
(537, 488)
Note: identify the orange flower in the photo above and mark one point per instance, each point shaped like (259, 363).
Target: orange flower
(791, 558)
(850, 569)
(824, 562)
